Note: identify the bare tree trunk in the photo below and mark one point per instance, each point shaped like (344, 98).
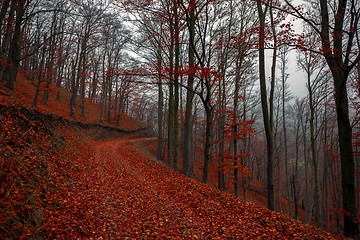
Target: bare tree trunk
(295, 174)
(6, 39)
(170, 145)
(307, 200)
(40, 73)
(267, 117)
(187, 162)
(208, 134)
(235, 129)
(284, 77)
(325, 184)
(277, 156)
(103, 91)
(235, 132)
(340, 68)
(15, 51)
(317, 201)
(221, 135)
(109, 93)
(176, 86)
(160, 108)
(51, 59)
(74, 81)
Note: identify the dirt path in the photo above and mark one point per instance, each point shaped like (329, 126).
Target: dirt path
(122, 194)
(138, 201)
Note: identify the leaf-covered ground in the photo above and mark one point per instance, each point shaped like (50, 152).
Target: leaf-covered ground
(117, 192)
(55, 184)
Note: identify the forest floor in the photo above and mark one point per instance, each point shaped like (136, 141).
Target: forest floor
(59, 179)
(122, 194)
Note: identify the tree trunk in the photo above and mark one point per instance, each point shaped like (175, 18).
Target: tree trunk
(51, 58)
(235, 129)
(171, 114)
(207, 150)
(6, 39)
(15, 51)
(340, 67)
(221, 135)
(4, 8)
(110, 86)
(40, 73)
(314, 160)
(351, 228)
(295, 174)
(187, 162)
(265, 110)
(75, 79)
(176, 86)
(160, 108)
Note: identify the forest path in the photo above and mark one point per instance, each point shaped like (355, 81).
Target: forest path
(133, 196)
(119, 193)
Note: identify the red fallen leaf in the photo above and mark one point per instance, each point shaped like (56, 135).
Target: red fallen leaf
(116, 185)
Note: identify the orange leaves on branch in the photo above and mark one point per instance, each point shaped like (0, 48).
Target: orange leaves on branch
(84, 74)
(197, 71)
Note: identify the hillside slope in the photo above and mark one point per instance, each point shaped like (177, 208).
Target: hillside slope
(24, 94)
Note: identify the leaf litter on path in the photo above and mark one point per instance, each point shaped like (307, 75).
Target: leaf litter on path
(119, 193)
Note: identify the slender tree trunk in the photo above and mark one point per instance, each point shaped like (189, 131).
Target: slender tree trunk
(160, 107)
(171, 119)
(235, 132)
(308, 193)
(267, 117)
(109, 91)
(283, 98)
(277, 156)
(221, 135)
(295, 174)
(306, 200)
(170, 144)
(314, 159)
(245, 148)
(176, 85)
(74, 82)
(103, 90)
(208, 133)
(40, 73)
(325, 183)
(60, 60)
(187, 162)
(82, 83)
(51, 59)
(235, 129)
